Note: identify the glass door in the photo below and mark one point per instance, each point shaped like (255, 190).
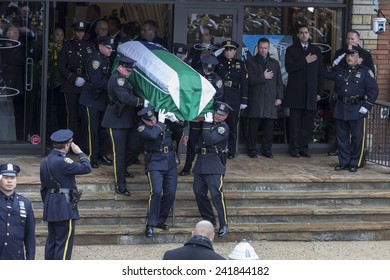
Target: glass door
(21, 76)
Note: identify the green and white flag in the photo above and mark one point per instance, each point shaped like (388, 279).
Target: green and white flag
(167, 82)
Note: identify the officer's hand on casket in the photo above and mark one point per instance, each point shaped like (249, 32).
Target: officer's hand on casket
(208, 117)
(79, 82)
(161, 115)
(171, 116)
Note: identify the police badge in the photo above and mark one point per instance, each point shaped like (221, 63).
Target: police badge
(68, 160)
(95, 64)
(120, 81)
(221, 130)
(141, 128)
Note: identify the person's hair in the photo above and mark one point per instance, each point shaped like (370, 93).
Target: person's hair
(263, 40)
(302, 26)
(59, 146)
(132, 29)
(95, 8)
(354, 32)
(116, 22)
(209, 29)
(9, 26)
(101, 22)
(152, 24)
(204, 228)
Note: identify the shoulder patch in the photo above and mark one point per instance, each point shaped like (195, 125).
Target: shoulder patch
(120, 81)
(219, 83)
(371, 73)
(141, 128)
(221, 130)
(68, 160)
(95, 64)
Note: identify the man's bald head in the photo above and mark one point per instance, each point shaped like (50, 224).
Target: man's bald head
(204, 228)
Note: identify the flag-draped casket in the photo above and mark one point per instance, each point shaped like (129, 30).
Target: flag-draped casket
(166, 81)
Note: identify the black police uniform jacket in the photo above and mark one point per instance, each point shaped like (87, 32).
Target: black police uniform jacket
(358, 81)
(197, 248)
(364, 54)
(72, 60)
(155, 138)
(235, 78)
(214, 139)
(63, 169)
(217, 83)
(304, 79)
(94, 93)
(17, 229)
(120, 89)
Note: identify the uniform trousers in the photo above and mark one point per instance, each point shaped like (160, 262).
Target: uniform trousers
(301, 124)
(123, 140)
(60, 239)
(232, 122)
(97, 141)
(267, 127)
(203, 183)
(73, 112)
(193, 136)
(351, 140)
(162, 194)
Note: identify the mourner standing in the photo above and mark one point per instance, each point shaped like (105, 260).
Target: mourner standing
(160, 165)
(120, 119)
(357, 92)
(210, 166)
(60, 195)
(235, 89)
(17, 221)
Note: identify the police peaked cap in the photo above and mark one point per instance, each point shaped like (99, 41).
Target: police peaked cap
(9, 169)
(209, 59)
(126, 62)
(230, 44)
(180, 48)
(79, 26)
(107, 41)
(353, 49)
(222, 108)
(147, 113)
(62, 136)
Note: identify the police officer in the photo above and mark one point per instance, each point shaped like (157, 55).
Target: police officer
(71, 63)
(210, 166)
(60, 195)
(357, 91)
(17, 221)
(235, 82)
(209, 62)
(121, 120)
(93, 100)
(160, 165)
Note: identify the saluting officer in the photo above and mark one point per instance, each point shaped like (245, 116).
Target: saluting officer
(209, 62)
(235, 93)
(71, 63)
(17, 221)
(60, 195)
(121, 120)
(93, 100)
(210, 166)
(357, 91)
(160, 165)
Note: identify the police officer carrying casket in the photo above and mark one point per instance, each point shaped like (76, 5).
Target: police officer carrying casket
(17, 221)
(160, 165)
(357, 91)
(210, 166)
(120, 119)
(93, 99)
(209, 62)
(60, 195)
(235, 93)
(71, 63)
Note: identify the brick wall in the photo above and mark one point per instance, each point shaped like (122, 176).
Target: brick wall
(378, 44)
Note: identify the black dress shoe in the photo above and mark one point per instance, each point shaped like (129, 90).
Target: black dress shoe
(162, 226)
(341, 167)
(267, 154)
(223, 231)
(353, 168)
(335, 153)
(124, 192)
(184, 173)
(149, 231)
(230, 156)
(94, 165)
(106, 160)
(295, 154)
(129, 174)
(252, 154)
(305, 154)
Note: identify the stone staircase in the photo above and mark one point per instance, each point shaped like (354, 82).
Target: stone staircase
(304, 211)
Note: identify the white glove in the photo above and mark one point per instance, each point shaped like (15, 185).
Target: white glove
(208, 117)
(337, 60)
(171, 116)
(79, 82)
(243, 106)
(363, 110)
(161, 115)
(146, 103)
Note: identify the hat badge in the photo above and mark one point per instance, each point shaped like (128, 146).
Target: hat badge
(149, 113)
(10, 167)
(222, 107)
(350, 48)
(82, 24)
(111, 41)
(228, 43)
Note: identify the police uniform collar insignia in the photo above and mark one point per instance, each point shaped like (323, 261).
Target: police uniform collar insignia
(141, 128)
(95, 64)
(221, 130)
(219, 83)
(120, 81)
(68, 160)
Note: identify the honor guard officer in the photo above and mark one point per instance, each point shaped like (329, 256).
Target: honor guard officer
(209, 62)
(120, 119)
(93, 102)
(235, 93)
(60, 195)
(210, 166)
(71, 63)
(357, 91)
(160, 165)
(17, 221)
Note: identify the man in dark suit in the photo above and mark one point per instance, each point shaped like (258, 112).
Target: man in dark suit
(199, 247)
(93, 16)
(304, 88)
